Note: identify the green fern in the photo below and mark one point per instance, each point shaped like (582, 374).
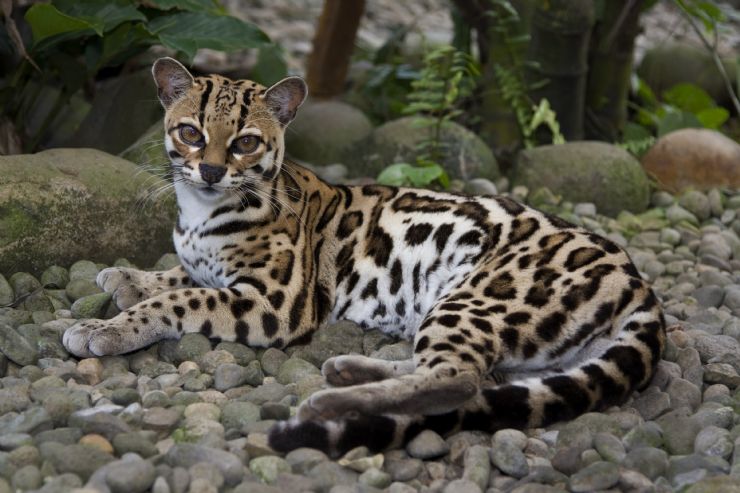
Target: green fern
(510, 78)
(447, 78)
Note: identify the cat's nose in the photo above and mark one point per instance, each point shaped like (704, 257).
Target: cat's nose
(211, 174)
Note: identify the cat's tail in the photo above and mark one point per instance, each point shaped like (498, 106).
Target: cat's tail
(626, 364)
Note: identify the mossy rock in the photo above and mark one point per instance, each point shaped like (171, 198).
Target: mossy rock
(61, 205)
(324, 132)
(672, 63)
(465, 154)
(596, 172)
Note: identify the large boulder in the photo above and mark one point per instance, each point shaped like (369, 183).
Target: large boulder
(466, 156)
(323, 132)
(694, 158)
(672, 63)
(61, 205)
(596, 172)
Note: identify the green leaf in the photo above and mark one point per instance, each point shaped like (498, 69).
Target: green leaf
(394, 175)
(633, 132)
(401, 174)
(676, 119)
(713, 117)
(46, 21)
(122, 43)
(688, 97)
(188, 31)
(189, 5)
(105, 13)
(270, 66)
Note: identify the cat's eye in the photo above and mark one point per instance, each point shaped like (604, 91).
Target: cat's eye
(190, 135)
(246, 145)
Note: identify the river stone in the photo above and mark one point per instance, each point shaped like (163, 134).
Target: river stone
(7, 296)
(597, 476)
(595, 172)
(242, 354)
(396, 141)
(55, 277)
(344, 337)
(61, 205)
(271, 361)
(342, 126)
(427, 445)
(694, 158)
(188, 454)
(713, 441)
(717, 484)
(92, 306)
(296, 369)
(509, 459)
(82, 460)
(23, 283)
(650, 461)
(237, 414)
(330, 474)
(134, 442)
(16, 347)
(192, 347)
(268, 467)
(130, 476)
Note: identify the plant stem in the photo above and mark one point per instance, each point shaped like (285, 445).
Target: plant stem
(715, 56)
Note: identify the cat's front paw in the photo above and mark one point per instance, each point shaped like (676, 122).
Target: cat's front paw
(91, 338)
(121, 283)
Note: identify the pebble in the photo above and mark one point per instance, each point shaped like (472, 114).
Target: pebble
(186, 455)
(597, 476)
(97, 441)
(651, 462)
(130, 475)
(268, 467)
(427, 445)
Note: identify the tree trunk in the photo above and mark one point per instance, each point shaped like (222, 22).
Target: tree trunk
(499, 127)
(333, 45)
(559, 44)
(610, 68)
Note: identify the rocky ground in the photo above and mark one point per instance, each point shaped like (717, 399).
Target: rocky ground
(183, 416)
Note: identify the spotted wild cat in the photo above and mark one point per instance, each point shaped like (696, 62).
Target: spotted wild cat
(481, 284)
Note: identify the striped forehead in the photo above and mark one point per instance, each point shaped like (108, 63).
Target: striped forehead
(223, 99)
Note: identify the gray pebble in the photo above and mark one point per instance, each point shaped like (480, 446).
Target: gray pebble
(609, 447)
(186, 455)
(597, 476)
(650, 461)
(238, 414)
(713, 441)
(683, 393)
(296, 369)
(272, 359)
(427, 445)
(509, 459)
(130, 476)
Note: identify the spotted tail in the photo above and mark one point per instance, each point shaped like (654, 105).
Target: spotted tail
(625, 365)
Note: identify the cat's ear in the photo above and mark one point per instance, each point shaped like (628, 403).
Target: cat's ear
(284, 98)
(172, 79)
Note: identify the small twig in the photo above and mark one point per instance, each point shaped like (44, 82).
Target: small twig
(715, 56)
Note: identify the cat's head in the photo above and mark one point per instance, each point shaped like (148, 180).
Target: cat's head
(224, 135)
